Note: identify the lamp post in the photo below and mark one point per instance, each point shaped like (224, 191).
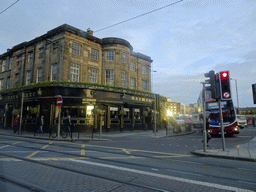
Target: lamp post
(236, 95)
(154, 105)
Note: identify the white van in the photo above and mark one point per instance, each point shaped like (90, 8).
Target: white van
(241, 120)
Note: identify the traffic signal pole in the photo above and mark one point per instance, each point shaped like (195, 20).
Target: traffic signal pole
(221, 125)
(204, 115)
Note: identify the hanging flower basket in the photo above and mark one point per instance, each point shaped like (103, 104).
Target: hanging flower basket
(122, 112)
(16, 112)
(96, 111)
(35, 110)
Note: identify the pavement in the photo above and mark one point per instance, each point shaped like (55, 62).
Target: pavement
(245, 152)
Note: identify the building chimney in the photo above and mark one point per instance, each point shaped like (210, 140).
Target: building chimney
(89, 31)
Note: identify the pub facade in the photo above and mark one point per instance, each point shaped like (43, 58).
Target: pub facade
(95, 78)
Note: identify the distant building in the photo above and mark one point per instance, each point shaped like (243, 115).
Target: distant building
(60, 62)
(175, 108)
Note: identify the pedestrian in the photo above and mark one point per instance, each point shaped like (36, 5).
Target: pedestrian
(253, 121)
(40, 124)
(16, 124)
(68, 124)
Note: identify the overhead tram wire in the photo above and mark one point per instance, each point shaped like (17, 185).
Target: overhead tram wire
(139, 16)
(9, 6)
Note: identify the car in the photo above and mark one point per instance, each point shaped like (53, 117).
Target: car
(241, 120)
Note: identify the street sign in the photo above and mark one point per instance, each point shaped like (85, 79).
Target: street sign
(59, 101)
(226, 95)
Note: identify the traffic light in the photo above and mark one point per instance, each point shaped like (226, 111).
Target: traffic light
(225, 90)
(212, 82)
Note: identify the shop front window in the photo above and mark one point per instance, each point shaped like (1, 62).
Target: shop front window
(89, 109)
(74, 112)
(136, 114)
(113, 112)
(81, 112)
(127, 113)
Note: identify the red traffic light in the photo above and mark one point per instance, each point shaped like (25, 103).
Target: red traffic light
(224, 74)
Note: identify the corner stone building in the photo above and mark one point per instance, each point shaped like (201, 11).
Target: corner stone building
(90, 74)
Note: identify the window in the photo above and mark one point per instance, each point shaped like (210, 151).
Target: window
(113, 112)
(29, 76)
(124, 57)
(19, 61)
(17, 77)
(76, 48)
(4, 66)
(30, 57)
(144, 85)
(74, 73)
(39, 75)
(123, 79)
(95, 54)
(8, 83)
(132, 83)
(54, 72)
(1, 84)
(144, 69)
(110, 77)
(136, 114)
(127, 113)
(10, 63)
(94, 75)
(132, 66)
(89, 109)
(55, 47)
(41, 52)
(110, 55)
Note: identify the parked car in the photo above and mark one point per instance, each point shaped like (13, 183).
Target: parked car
(241, 120)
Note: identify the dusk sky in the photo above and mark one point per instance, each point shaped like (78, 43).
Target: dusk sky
(184, 40)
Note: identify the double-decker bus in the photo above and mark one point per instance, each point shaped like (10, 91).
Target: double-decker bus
(212, 111)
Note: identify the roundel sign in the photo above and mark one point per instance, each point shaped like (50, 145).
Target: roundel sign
(226, 94)
(59, 101)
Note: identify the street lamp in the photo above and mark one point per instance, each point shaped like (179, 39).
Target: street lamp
(236, 94)
(154, 105)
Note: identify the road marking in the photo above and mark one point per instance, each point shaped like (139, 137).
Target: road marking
(184, 172)
(17, 142)
(136, 150)
(206, 184)
(153, 169)
(82, 152)
(4, 146)
(32, 154)
(172, 156)
(130, 157)
(44, 158)
(126, 151)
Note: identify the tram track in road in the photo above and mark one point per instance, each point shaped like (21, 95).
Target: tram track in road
(13, 180)
(150, 168)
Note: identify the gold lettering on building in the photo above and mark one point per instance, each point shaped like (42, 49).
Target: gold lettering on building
(141, 99)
